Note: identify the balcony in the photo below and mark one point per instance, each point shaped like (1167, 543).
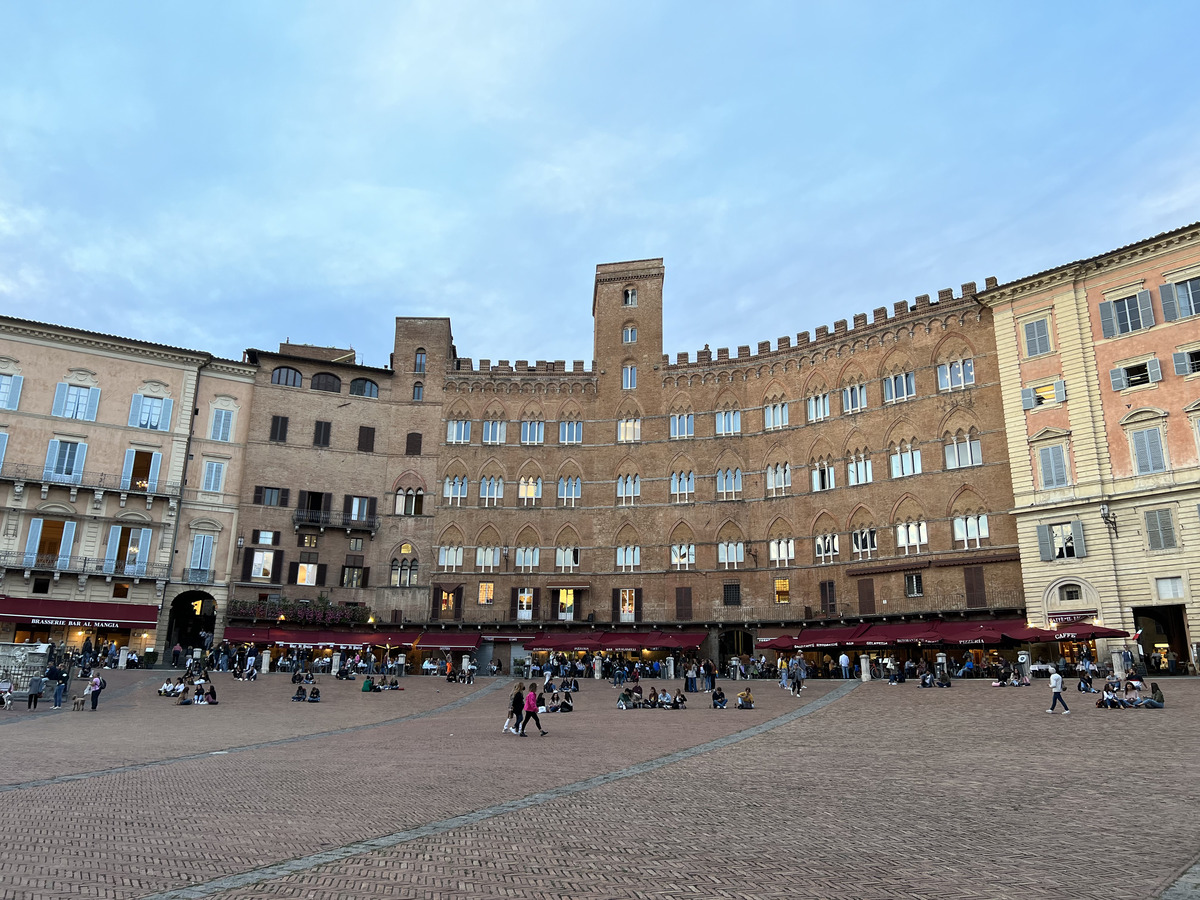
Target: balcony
(82, 566)
(322, 520)
(199, 576)
(98, 482)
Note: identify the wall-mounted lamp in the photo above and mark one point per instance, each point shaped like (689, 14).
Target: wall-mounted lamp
(241, 542)
(1109, 518)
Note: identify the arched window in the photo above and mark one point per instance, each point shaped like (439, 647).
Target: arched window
(419, 361)
(286, 376)
(410, 502)
(364, 387)
(324, 381)
(404, 572)
(418, 392)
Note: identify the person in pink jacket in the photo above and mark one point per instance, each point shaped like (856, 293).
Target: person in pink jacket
(531, 712)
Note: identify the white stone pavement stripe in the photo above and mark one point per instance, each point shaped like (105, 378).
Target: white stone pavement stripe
(1186, 888)
(137, 767)
(387, 841)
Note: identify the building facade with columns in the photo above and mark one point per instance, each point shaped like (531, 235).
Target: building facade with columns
(1101, 383)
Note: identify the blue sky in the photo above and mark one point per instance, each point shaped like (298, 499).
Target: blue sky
(223, 176)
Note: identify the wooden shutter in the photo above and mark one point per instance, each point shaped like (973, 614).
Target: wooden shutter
(512, 609)
(973, 582)
(536, 601)
(258, 494)
(412, 446)
(616, 605)
(284, 496)
(1181, 363)
(366, 439)
(327, 502)
(372, 506)
(683, 604)
(1154, 369)
(254, 533)
(436, 606)
(576, 608)
(164, 420)
(1028, 398)
(1060, 391)
(1166, 293)
(293, 572)
(302, 500)
(347, 502)
(1077, 538)
(247, 564)
(321, 569)
(366, 582)
(637, 604)
(1145, 308)
(866, 596)
(276, 537)
(458, 603)
(1108, 321)
(1045, 543)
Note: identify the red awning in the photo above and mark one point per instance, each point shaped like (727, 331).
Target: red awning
(393, 638)
(623, 640)
(684, 640)
(78, 613)
(846, 636)
(507, 637)
(1081, 632)
(299, 638)
(783, 642)
(888, 634)
(449, 640)
(967, 633)
(248, 634)
(542, 641)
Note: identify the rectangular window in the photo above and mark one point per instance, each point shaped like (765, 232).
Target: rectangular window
(859, 470)
(72, 402)
(629, 431)
(491, 491)
(487, 593)
(953, 376)
(200, 568)
(1170, 588)
(356, 544)
(1136, 374)
(570, 432)
(153, 413)
(528, 558)
(65, 461)
(458, 431)
(826, 548)
(1127, 314)
(494, 432)
(818, 408)
(412, 444)
(1187, 363)
(450, 558)
(682, 426)
(262, 565)
(970, 531)
(628, 335)
(279, 428)
(354, 577)
(321, 431)
(775, 415)
(533, 432)
(628, 558)
(779, 479)
(963, 452)
(569, 491)
(214, 476)
(10, 391)
(731, 594)
(914, 585)
(729, 484)
(629, 377)
(306, 571)
(1180, 300)
(487, 559)
(1052, 465)
(566, 559)
(731, 554)
(783, 592)
(828, 599)
(529, 490)
(683, 556)
(366, 439)
(566, 604)
(525, 604)
(863, 543)
(264, 538)
(1160, 529)
(823, 478)
(897, 388)
(627, 611)
(269, 496)
(683, 486)
(1148, 456)
(729, 422)
(307, 540)
(222, 425)
(454, 490)
(912, 537)
(854, 398)
(629, 487)
(1037, 337)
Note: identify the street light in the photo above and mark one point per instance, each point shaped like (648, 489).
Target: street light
(1109, 518)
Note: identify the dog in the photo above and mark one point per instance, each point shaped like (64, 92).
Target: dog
(77, 704)
(7, 697)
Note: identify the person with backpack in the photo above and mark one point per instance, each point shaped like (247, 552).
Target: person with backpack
(98, 684)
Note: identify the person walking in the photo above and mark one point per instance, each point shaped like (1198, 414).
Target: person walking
(1056, 690)
(531, 712)
(36, 683)
(516, 703)
(98, 684)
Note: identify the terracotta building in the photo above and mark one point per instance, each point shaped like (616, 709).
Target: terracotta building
(1101, 360)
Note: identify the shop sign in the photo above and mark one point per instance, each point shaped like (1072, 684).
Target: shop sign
(77, 623)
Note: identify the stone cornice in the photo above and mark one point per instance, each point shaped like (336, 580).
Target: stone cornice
(90, 340)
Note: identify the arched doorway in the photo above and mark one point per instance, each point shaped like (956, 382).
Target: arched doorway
(191, 613)
(735, 642)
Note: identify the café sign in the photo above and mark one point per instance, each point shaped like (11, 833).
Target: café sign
(77, 623)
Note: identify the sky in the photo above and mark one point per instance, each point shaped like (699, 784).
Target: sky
(221, 176)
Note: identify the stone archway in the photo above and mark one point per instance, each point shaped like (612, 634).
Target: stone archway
(191, 613)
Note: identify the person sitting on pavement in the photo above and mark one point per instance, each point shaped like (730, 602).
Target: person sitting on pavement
(664, 699)
(1085, 683)
(301, 694)
(718, 698)
(183, 699)
(745, 699)
(297, 678)
(210, 696)
(315, 695)
(651, 699)
(555, 702)
(1109, 699)
(1154, 701)
(943, 679)
(636, 690)
(167, 690)
(251, 674)
(926, 680)
(368, 684)
(198, 697)
(567, 704)
(308, 678)
(1113, 682)
(626, 700)
(1132, 693)
(679, 701)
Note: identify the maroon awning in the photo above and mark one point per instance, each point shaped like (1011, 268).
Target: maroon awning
(889, 634)
(78, 613)
(449, 640)
(683, 640)
(248, 634)
(1082, 632)
(783, 642)
(393, 638)
(968, 633)
(844, 636)
(623, 640)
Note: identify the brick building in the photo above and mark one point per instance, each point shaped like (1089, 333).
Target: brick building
(1101, 360)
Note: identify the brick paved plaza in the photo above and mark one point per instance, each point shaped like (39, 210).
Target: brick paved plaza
(864, 791)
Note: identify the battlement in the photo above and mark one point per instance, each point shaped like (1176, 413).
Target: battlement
(557, 367)
(901, 313)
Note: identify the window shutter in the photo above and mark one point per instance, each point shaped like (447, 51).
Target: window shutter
(327, 502)
(366, 582)
(284, 496)
(347, 502)
(1046, 458)
(973, 583)
(1181, 363)
(14, 392)
(164, 421)
(93, 404)
(247, 564)
(616, 605)
(1060, 391)
(512, 609)
(60, 400)
(143, 552)
(155, 466)
(1141, 452)
(1077, 538)
(637, 604)
(1153, 533)
(1045, 543)
(576, 610)
(127, 469)
(866, 596)
(1118, 379)
(1028, 398)
(68, 538)
(51, 457)
(322, 569)
(80, 459)
(258, 494)
(1155, 369)
(275, 537)
(31, 543)
(1145, 308)
(1108, 323)
(135, 410)
(372, 506)
(110, 553)
(1166, 293)
(683, 603)
(536, 604)
(1153, 445)
(302, 500)
(3, 445)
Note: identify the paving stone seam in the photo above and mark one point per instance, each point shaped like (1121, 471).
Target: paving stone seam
(387, 841)
(262, 745)
(1185, 887)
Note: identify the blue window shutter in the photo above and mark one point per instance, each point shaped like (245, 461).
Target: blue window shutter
(14, 392)
(164, 421)
(1077, 538)
(1166, 293)
(127, 469)
(60, 399)
(93, 404)
(64, 547)
(1028, 398)
(1154, 367)
(1108, 325)
(144, 543)
(155, 464)
(110, 554)
(1118, 379)
(1060, 391)
(135, 410)
(1181, 363)
(3, 446)
(51, 458)
(31, 544)
(1141, 452)
(80, 459)
(1158, 461)
(1145, 308)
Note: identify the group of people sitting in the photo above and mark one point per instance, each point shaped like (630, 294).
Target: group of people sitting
(302, 695)
(633, 697)
(1013, 680)
(941, 680)
(204, 694)
(303, 678)
(1113, 697)
(370, 685)
(567, 685)
(249, 673)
